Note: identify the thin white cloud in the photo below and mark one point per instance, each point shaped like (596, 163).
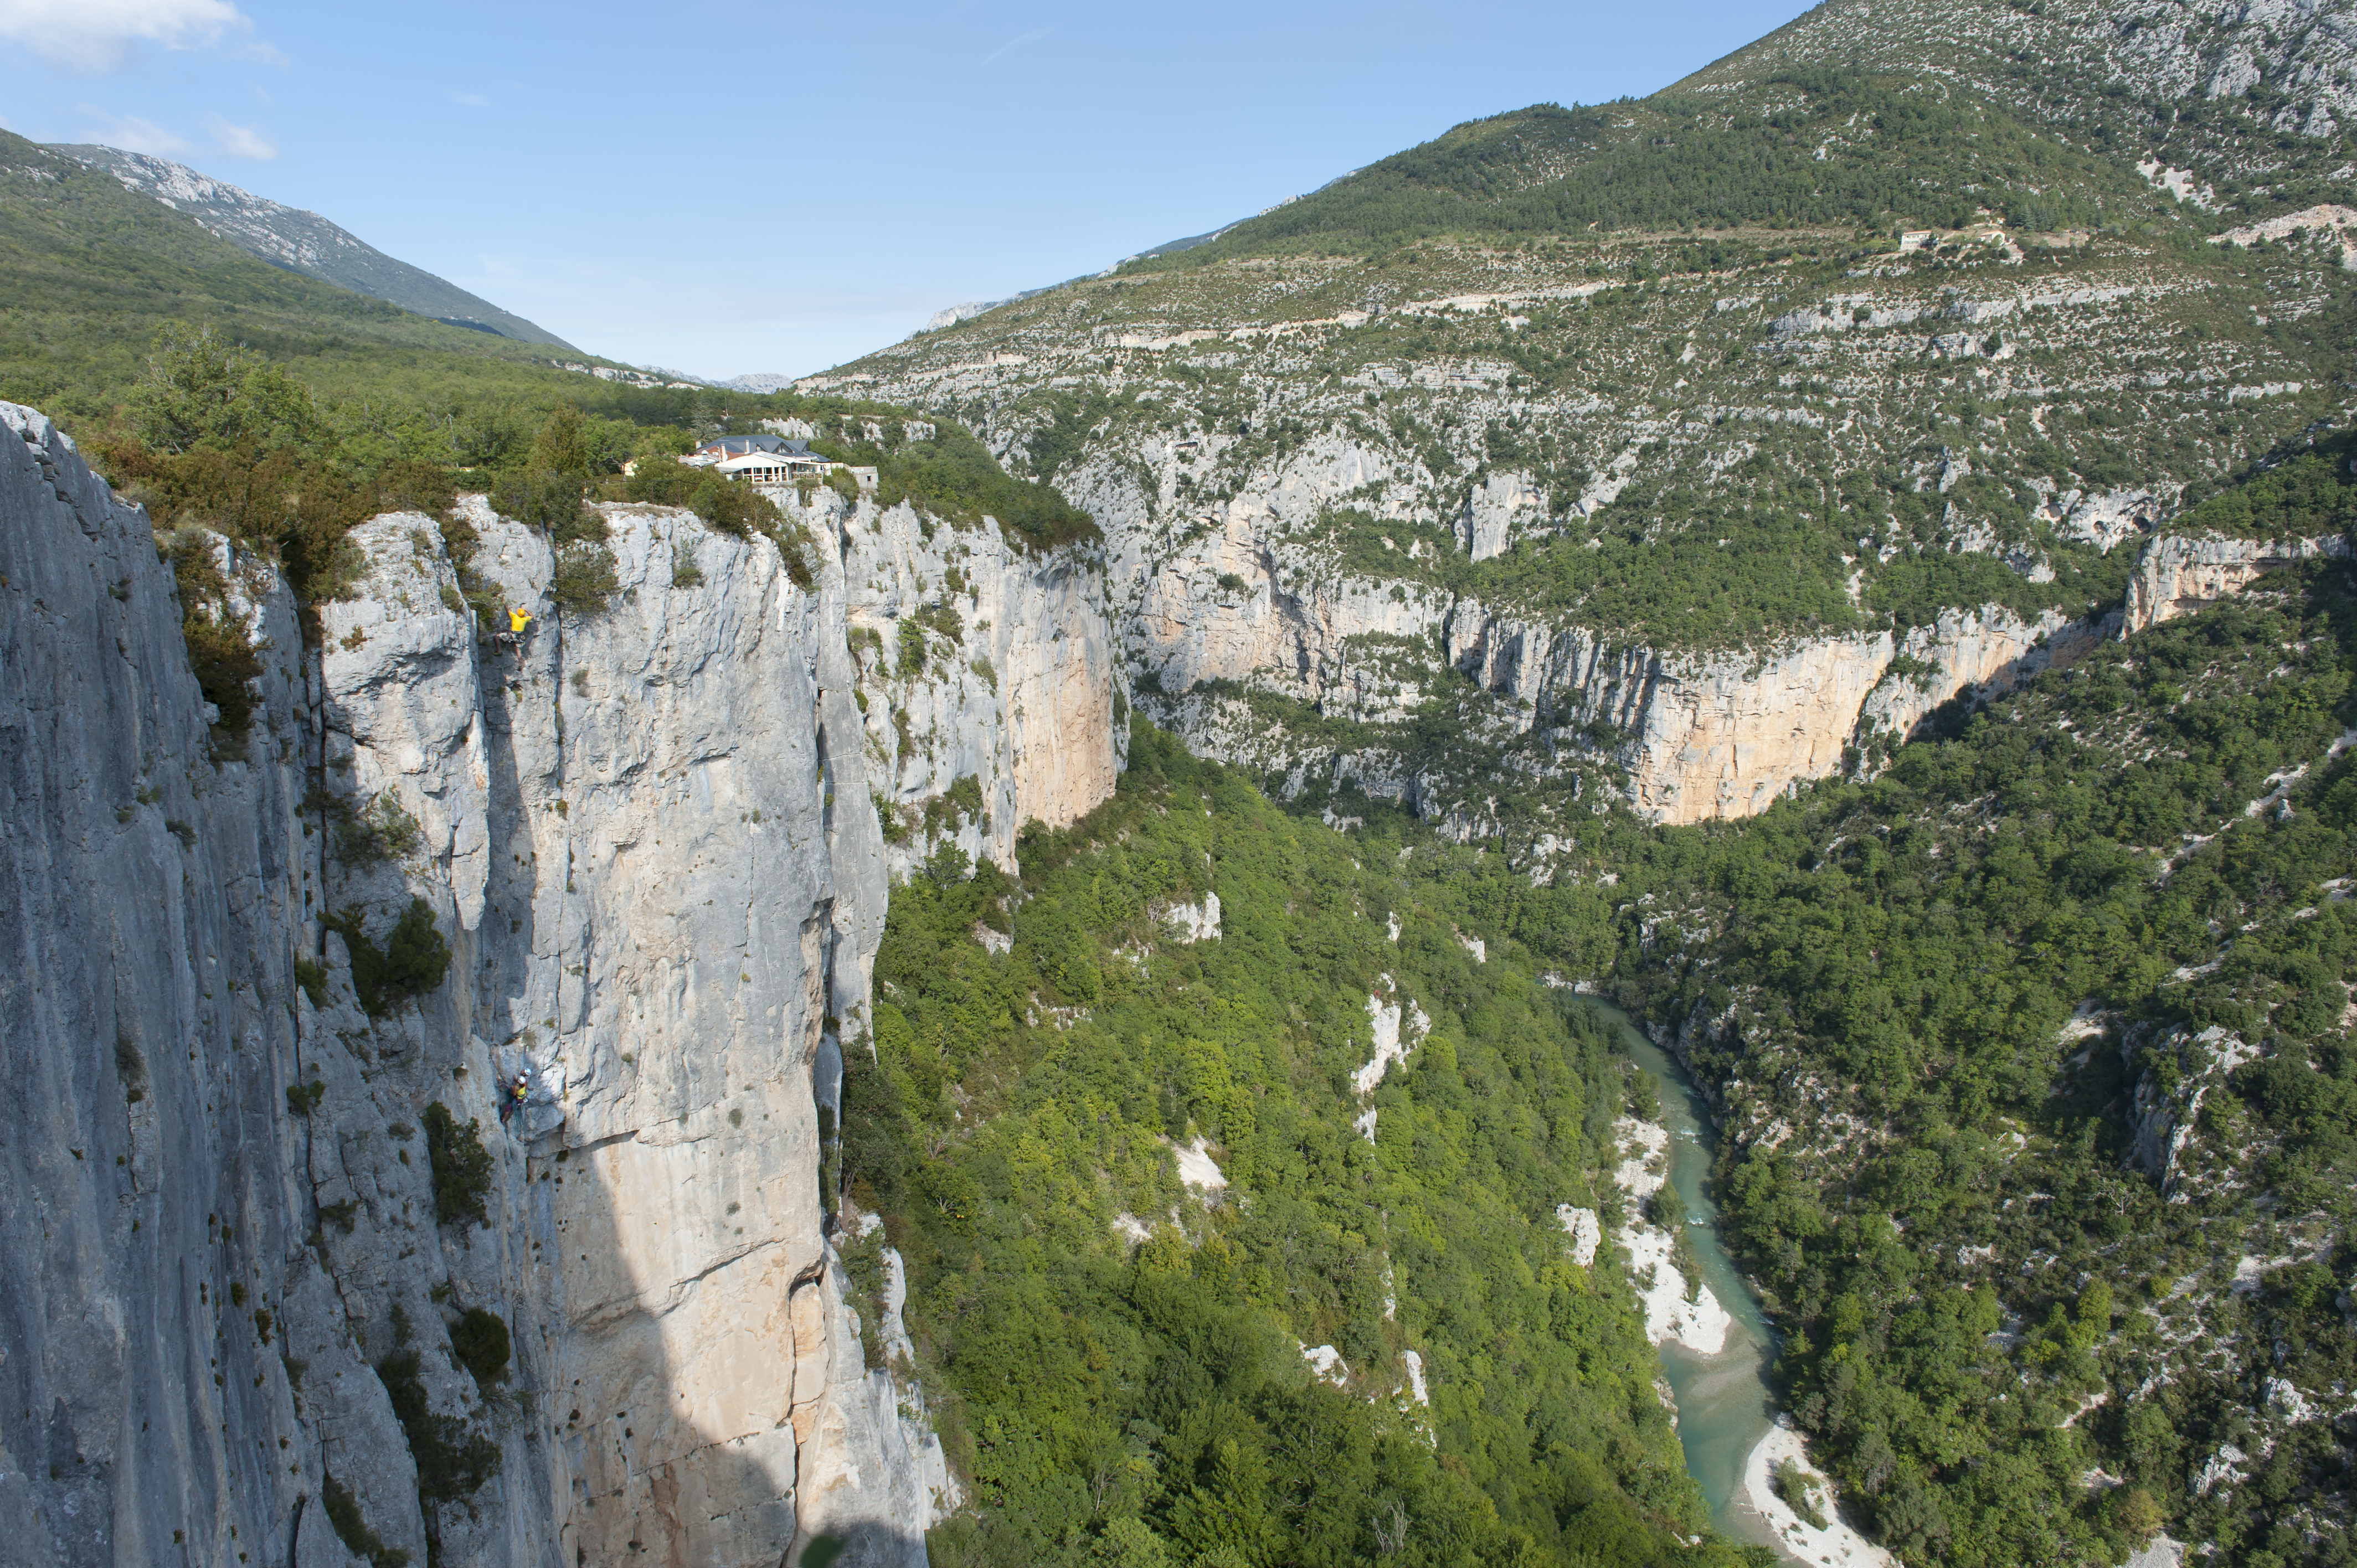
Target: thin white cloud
(1033, 37)
(97, 35)
(132, 135)
(471, 100)
(240, 141)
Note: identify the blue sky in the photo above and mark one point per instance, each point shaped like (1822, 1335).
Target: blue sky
(726, 188)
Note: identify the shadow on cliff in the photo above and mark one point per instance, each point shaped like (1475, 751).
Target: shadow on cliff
(639, 1455)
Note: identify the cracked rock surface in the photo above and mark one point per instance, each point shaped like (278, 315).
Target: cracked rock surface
(649, 845)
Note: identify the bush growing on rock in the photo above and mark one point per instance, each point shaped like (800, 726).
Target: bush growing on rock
(411, 963)
(453, 1462)
(352, 1528)
(220, 650)
(585, 581)
(381, 831)
(461, 1167)
(479, 1340)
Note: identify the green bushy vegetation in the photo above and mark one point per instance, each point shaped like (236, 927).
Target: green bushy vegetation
(480, 1341)
(97, 270)
(410, 964)
(351, 1526)
(1148, 1402)
(1986, 1293)
(462, 1168)
(216, 436)
(1808, 146)
(2307, 497)
(220, 652)
(948, 473)
(454, 1460)
(1923, 941)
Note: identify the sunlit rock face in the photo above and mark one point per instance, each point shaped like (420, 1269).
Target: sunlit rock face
(648, 839)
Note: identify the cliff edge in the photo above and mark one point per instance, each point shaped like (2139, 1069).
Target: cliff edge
(288, 1285)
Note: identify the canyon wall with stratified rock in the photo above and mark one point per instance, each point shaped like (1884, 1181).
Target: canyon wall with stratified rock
(1506, 495)
(258, 1259)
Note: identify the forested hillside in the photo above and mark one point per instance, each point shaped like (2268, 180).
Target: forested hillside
(2030, 1056)
(1805, 146)
(2034, 1061)
(2253, 101)
(1121, 1334)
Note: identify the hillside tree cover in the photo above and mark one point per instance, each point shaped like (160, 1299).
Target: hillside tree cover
(1121, 1361)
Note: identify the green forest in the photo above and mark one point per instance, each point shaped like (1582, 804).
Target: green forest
(1119, 1400)
(1987, 1294)
(1924, 941)
(1925, 1005)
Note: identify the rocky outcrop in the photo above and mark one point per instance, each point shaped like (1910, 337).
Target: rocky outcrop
(253, 1246)
(1249, 598)
(1722, 736)
(1697, 1321)
(2179, 1068)
(977, 659)
(2180, 573)
(1497, 509)
(1232, 607)
(1692, 735)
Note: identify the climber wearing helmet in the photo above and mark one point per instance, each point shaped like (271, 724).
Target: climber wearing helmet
(519, 618)
(512, 1102)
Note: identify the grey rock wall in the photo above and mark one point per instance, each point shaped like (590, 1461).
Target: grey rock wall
(154, 1198)
(649, 845)
(1020, 687)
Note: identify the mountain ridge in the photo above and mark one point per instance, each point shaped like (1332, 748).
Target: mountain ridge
(303, 241)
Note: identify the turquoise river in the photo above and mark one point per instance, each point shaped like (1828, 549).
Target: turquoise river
(1725, 1405)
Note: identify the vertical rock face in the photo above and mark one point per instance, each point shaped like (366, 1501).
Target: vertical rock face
(2185, 573)
(1249, 596)
(153, 1200)
(256, 1244)
(977, 660)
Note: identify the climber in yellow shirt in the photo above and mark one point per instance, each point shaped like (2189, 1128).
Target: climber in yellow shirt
(519, 618)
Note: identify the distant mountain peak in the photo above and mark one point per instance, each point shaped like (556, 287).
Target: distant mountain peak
(304, 242)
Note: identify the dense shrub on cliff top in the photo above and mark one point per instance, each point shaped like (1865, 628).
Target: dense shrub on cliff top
(727, 508)
(1117, 1398)
(218, 436)
(947, 474)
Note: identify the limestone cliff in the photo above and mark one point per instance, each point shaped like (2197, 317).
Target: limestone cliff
(2185, 573)
(1687, 735)
(1658, 508)
(649, 843)
(976, 659)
